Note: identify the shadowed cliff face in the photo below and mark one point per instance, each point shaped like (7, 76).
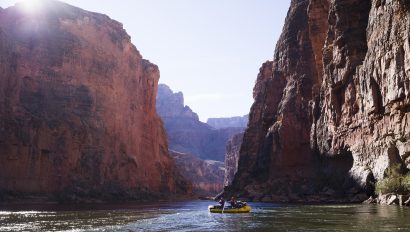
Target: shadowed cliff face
(77, 108)
(206, 176)
(233, 147)
(366, 110)
(272, 153)
(331, 110)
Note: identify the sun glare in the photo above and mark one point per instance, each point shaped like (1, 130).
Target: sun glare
(32, 6)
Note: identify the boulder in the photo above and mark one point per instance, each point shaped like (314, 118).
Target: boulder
(406, 201)
(371, 200)
(392, 200)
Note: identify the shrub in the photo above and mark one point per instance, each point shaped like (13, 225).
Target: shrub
(406, 182)
(394, 182)
(389, 185)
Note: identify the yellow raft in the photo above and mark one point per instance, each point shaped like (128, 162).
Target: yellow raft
(218, 209)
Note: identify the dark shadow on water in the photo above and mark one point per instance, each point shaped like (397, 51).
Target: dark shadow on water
(90, 207)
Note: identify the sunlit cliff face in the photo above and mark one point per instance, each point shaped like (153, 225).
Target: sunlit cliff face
(32, 22)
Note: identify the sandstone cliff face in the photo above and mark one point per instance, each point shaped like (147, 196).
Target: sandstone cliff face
(331, 110)
(219, 123)
(206, 176)
(233, 147)
(185, 132)
(366, 97)
(77, 108)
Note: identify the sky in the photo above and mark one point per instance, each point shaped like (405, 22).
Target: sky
(211, 50)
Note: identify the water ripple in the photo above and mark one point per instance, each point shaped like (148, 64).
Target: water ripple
(193, 216)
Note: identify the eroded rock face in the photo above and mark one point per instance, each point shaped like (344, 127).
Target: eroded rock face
(186, 133)
(206, 176)
(275, 150)
(233, 147)
(331, 111)
(371, 101)
(77, 108)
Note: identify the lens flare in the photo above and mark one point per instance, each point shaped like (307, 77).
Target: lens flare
(32, 6)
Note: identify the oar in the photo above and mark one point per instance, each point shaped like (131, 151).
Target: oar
(223, 207)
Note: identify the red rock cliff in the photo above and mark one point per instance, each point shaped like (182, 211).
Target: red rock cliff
(331, 110)
(77, 107)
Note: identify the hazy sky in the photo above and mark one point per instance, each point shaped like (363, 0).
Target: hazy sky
(211, 50)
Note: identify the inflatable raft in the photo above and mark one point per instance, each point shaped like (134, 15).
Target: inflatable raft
(229, 209)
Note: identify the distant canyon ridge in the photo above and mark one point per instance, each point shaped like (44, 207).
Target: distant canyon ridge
(199, 148)
(186, 133)
(238, 121)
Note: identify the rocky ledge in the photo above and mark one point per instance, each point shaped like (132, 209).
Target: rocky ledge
(389, 199)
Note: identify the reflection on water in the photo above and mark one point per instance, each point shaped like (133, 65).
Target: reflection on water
(193, 216)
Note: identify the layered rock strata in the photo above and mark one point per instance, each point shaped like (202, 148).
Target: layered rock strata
(206, 176)
(331, 110)
(77, 108)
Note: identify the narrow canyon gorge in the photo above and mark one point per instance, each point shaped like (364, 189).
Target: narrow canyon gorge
(330, 118)
(198, 148)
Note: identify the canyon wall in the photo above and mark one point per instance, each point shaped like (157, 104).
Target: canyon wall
(206, 176)
(233, 147)
(77, 108)
(331, 110)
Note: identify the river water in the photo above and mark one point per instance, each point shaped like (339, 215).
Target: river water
(194, 216)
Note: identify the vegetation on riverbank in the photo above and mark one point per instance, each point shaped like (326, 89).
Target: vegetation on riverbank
(396, 181)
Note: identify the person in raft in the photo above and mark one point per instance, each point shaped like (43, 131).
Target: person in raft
(233, 202)
(222, 202)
